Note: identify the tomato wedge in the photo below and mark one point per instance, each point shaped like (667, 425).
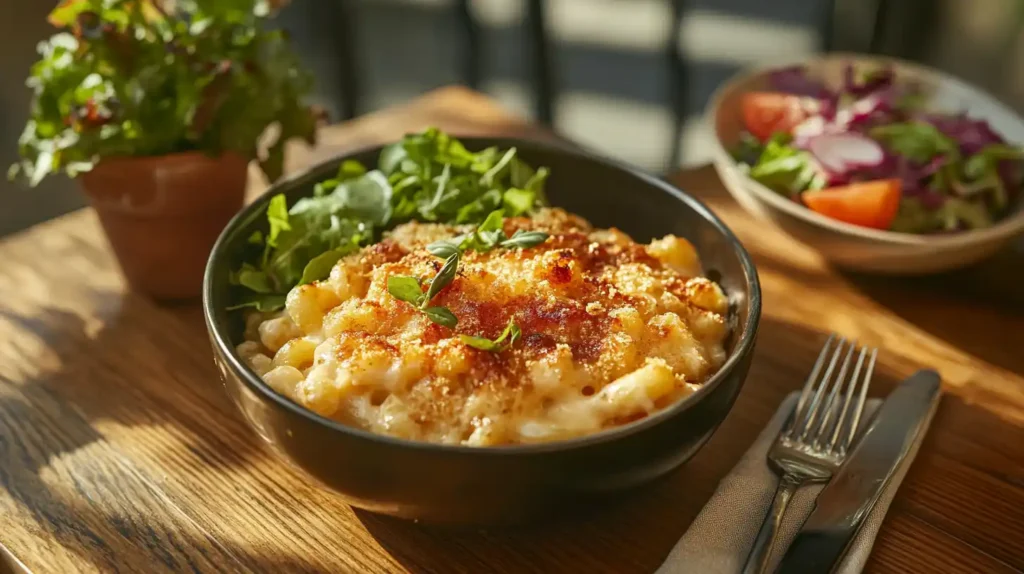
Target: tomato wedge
(869, 204)
(765, 113)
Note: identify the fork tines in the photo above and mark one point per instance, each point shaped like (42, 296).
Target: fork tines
(828, 412)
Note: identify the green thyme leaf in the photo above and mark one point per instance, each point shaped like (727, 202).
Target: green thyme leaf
(482, 343)
(511, 334)
(442, 316)
(443, 277)
(406, 288)
(524, 239)
(444, 248)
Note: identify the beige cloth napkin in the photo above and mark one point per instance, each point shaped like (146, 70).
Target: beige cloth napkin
(720, 537)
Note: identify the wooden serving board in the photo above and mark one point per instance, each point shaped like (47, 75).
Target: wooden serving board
(119, 450)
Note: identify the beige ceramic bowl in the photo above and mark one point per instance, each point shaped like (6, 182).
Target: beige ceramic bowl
(851, 246)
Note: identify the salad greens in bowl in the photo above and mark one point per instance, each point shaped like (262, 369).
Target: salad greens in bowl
(879, 164)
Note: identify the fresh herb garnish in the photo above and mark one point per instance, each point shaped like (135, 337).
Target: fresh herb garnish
(429, 176)
(443, 277)
(410, 289)
(504, 341)
(486, 237)
(442, 316)
(406, 288)
(445, 248)
(524, 239)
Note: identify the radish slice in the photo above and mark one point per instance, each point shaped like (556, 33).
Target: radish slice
(842, 152)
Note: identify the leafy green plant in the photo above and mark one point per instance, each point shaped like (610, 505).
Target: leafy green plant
(150, 77)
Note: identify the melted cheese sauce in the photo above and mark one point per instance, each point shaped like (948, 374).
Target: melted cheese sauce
(611, 331)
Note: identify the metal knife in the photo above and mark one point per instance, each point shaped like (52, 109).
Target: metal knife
(846, 501)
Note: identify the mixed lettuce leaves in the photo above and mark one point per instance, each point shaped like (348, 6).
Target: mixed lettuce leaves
(428, 176)
(954, 172)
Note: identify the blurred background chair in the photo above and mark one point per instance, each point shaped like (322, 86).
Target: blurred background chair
(628, 78)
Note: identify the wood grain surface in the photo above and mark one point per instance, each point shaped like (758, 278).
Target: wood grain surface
(119, 450)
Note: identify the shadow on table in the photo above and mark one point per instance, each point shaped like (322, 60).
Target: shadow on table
(981, 307)
(634, 532)
(80, 384)
(75, 480)
(949, 513)
(101, 538)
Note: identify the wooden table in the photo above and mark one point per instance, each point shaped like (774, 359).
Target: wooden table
(120, 451)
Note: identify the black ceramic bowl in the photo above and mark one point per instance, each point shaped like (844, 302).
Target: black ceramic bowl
(472, 485)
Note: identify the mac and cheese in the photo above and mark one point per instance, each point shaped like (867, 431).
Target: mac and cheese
(611, 331)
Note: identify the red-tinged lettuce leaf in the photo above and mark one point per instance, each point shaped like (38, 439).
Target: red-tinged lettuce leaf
(795, 80)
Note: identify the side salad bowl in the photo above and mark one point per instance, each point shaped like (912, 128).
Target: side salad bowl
(848, 245)
(464, 485)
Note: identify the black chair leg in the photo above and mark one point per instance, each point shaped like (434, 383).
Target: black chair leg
(827, 40)
(543, 67)
(471, 72)
(343, 36)
(677, 73)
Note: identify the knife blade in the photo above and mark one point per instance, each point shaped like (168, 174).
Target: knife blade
(843, 504)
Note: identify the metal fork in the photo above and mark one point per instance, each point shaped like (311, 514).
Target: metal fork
(816, 438)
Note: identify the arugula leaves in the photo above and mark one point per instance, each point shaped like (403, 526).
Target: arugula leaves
(303, 243)
(429, 176)
(435, 178)
(504, 341)
(486, 237)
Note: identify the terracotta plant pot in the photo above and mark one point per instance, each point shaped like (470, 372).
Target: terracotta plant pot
(162, 215)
